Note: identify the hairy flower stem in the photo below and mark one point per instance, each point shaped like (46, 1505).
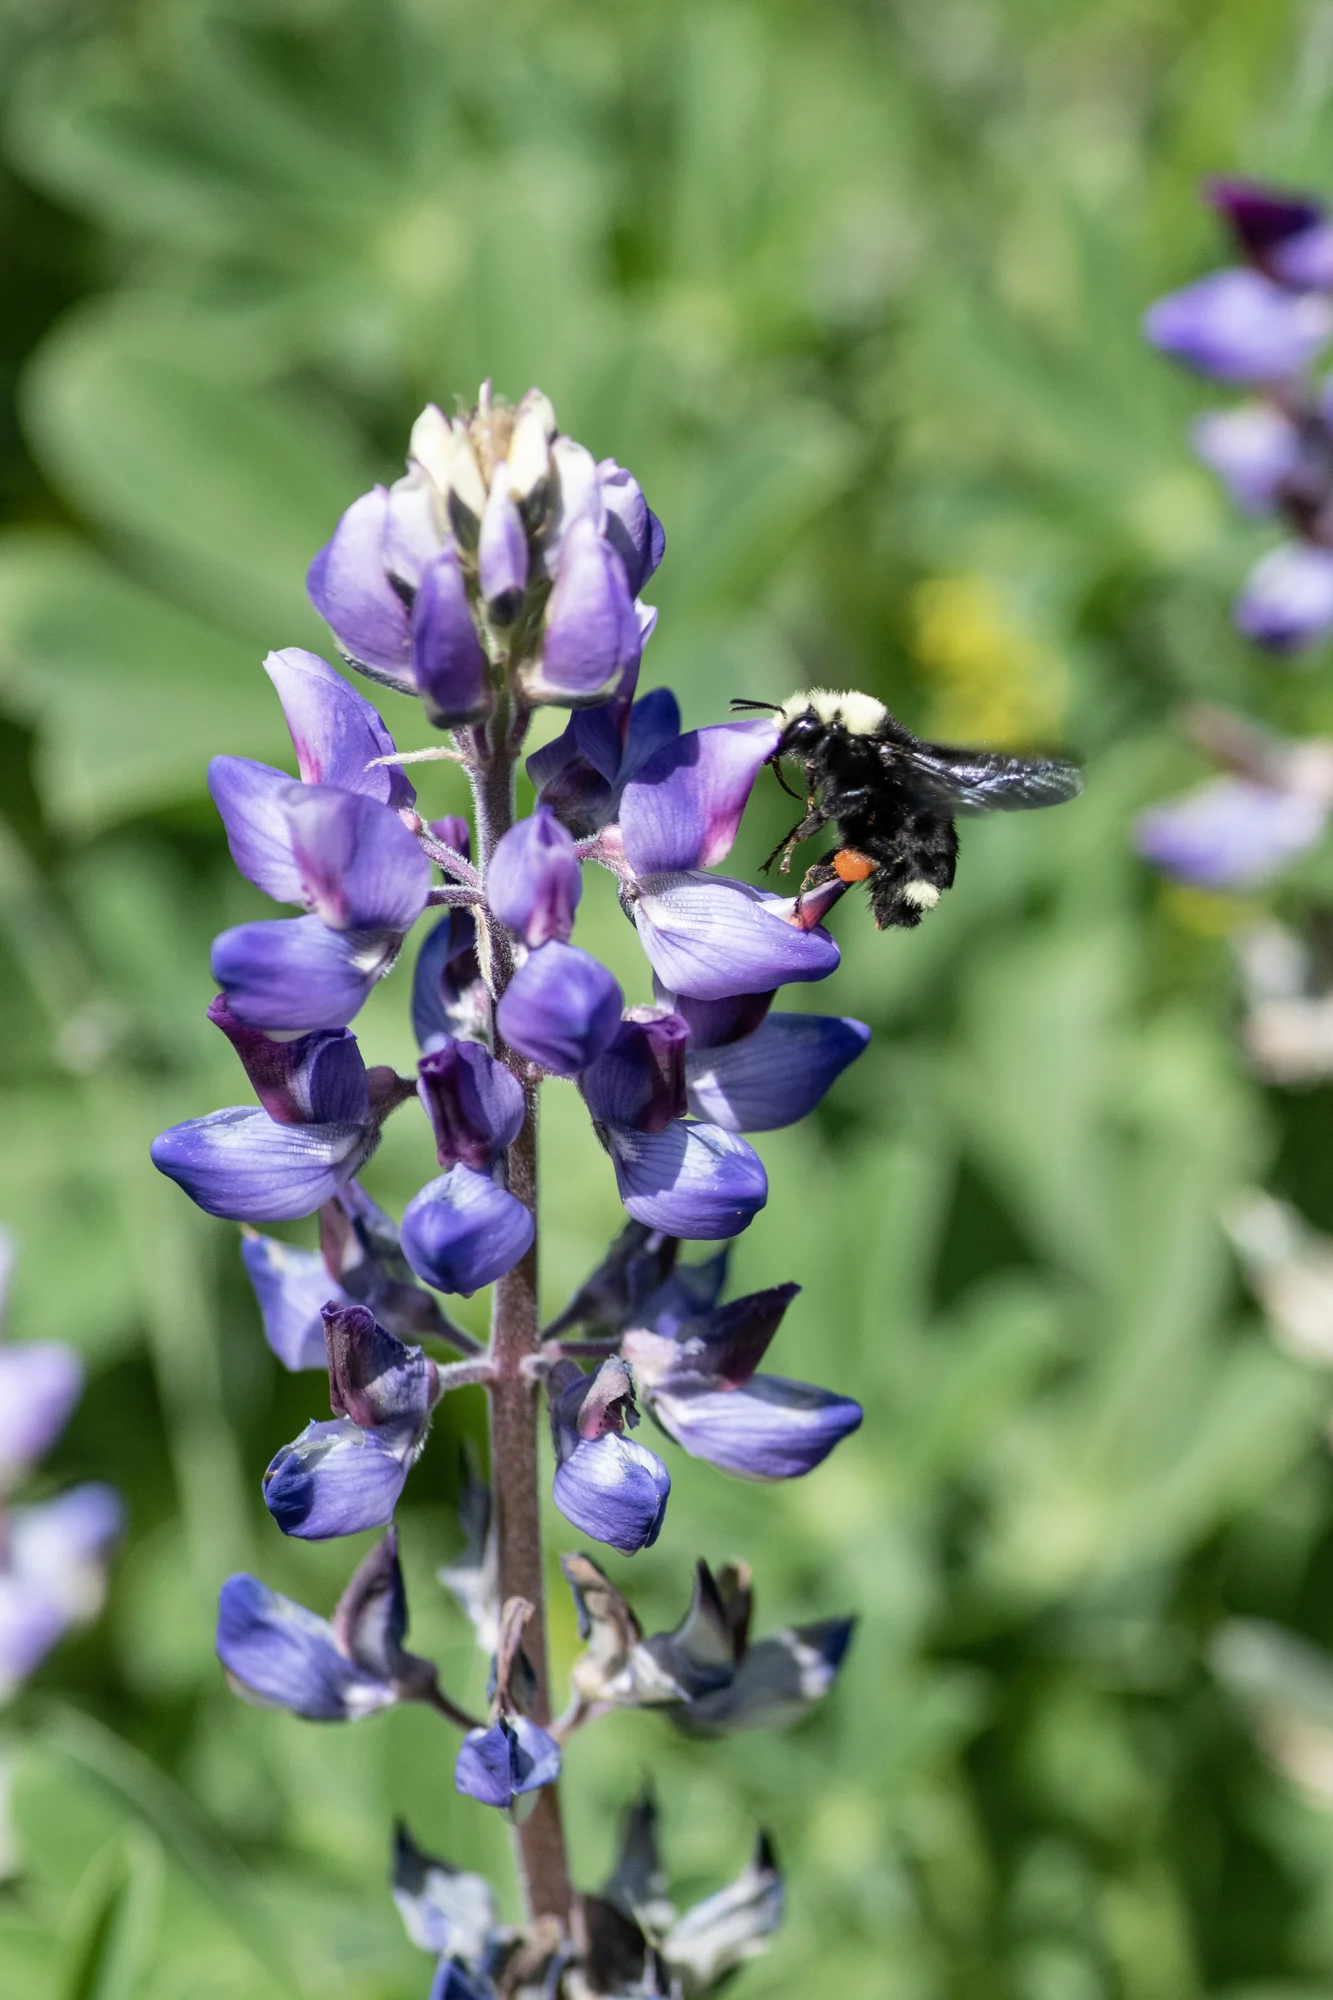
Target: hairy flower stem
(514, 1395)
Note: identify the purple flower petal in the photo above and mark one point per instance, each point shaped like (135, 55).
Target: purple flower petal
(714, 1023)
(336, 1479)
(614, 1490)
(61, 1546)
(502, 551)
(350, 589)
(445, 1910)
(768, 1429)
(360, 868)
(30, 1624)
(777, 1682)
(462, 1231)
(1305, 261)
(448, 662)
(335, 732)
(1288, 597)
(374, 1378)
(315, 1079)
(291, 1286)
(240, 1164)
(691, 1180)
(370, 1618)
(560, 1009)
(591, 634)
(1238, 325)
(448, 996)
(683, 808)
(249, 798)
(534, 881)
(40, 1382)
(285, 1657)
(774, 1076)
(413, 526)
(1229, 834)
(1284, 234)
(452, 1981)
(711, 938)
(640, 1080)
(716, 1347)
(1253, 448)
(294, 973)
(474, 1103)
(630, 525)
(499, 1764)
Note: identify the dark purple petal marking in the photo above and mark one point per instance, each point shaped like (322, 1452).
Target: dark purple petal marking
(474, 1103)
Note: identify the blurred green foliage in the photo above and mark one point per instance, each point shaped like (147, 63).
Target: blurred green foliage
(854, 287)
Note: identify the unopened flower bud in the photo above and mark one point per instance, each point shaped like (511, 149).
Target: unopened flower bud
(467, 491)
(448, 663)
(475, 1104)
(502, 551)
(534, 881)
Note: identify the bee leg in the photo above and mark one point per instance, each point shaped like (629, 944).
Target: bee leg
(815, 877)
(805, 829)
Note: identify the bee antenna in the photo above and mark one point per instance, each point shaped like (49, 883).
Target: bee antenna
(774, 706)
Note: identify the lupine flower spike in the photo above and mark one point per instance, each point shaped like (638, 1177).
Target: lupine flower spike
(505, 570)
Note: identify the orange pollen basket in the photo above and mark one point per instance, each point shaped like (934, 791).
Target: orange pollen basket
(849, 866)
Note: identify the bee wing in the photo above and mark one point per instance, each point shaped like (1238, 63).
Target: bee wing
(979, 781)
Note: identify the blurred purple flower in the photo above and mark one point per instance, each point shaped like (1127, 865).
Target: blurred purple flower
(1240, 326)
(53, 1573)
(1287, 600)
(40, 1382)
(1230, 833)
(1287, 236)
(1254, 448)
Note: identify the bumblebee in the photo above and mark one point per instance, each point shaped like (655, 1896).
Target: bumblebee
(893, 798)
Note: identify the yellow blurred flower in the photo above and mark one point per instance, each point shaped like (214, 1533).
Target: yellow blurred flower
(995, 683)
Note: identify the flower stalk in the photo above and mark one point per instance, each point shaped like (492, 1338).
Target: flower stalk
(503, 571)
